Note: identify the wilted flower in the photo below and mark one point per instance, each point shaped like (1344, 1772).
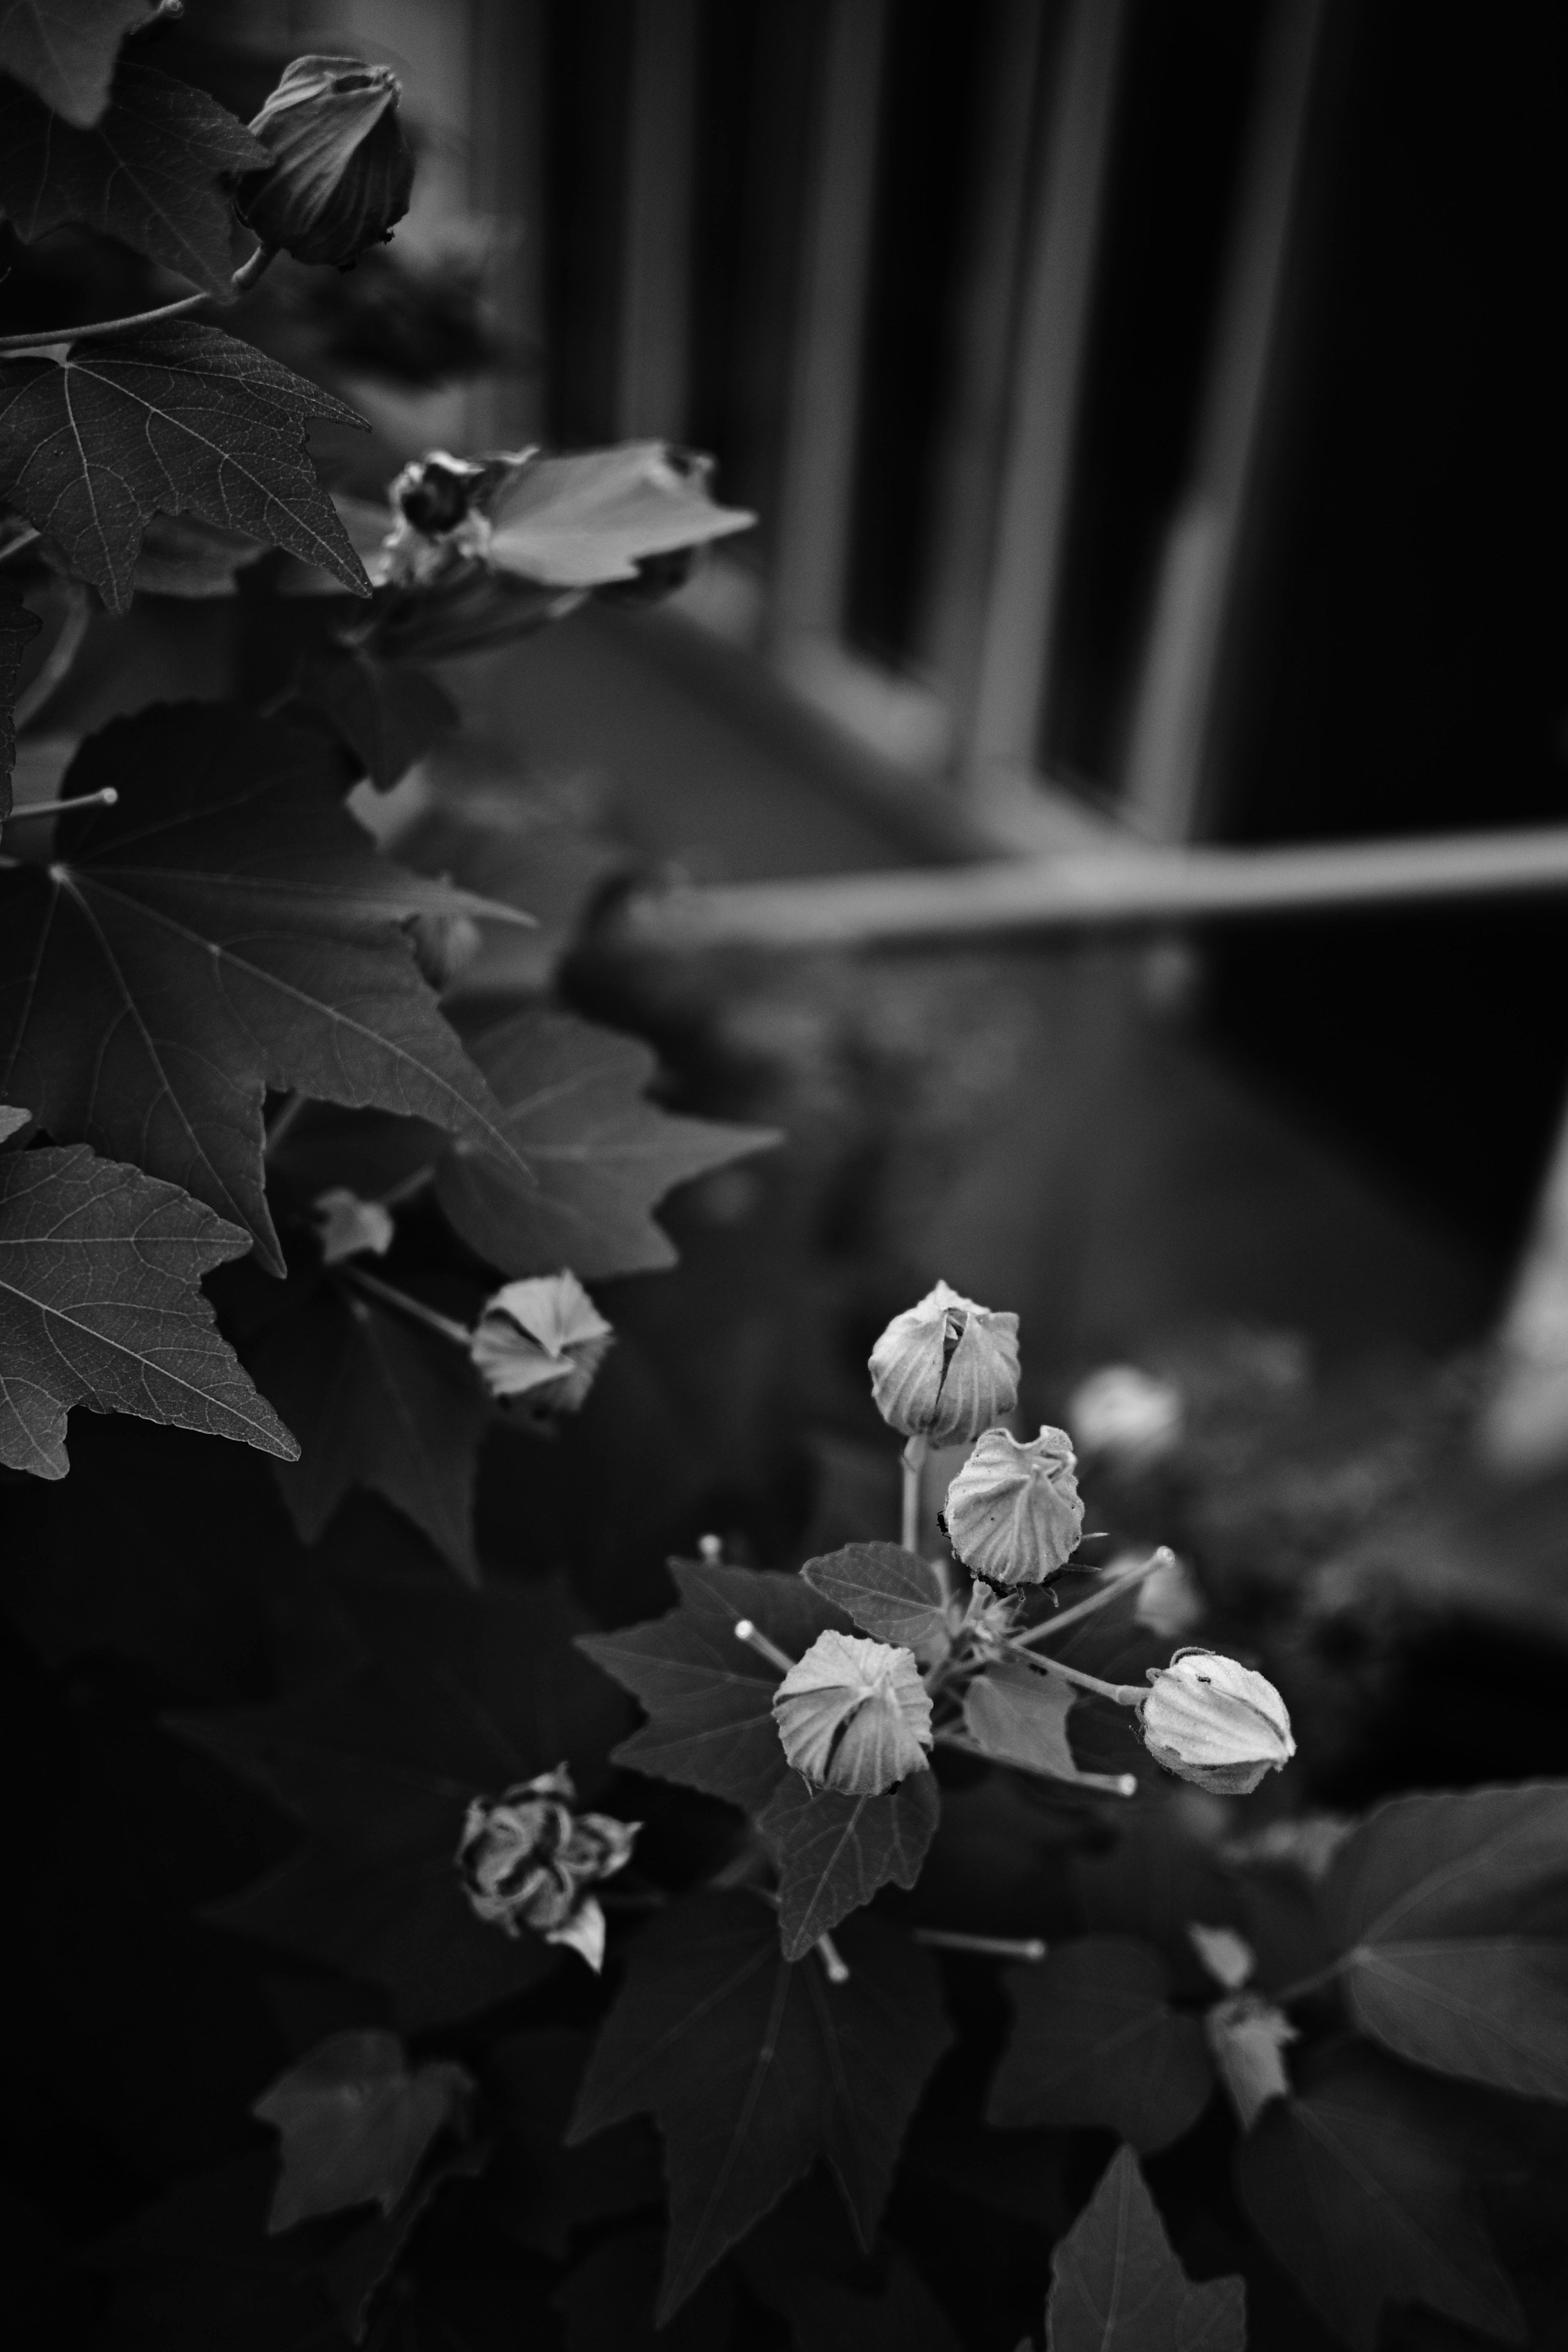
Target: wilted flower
(1012, 1513)
(347, 1226)
(854, 1715)
(1216, 1723)
(1126, 1415)
(526, 1858)
(1247, 2037)
(947, 1368)
(585, 520)
(342, 171)
(544, 1338)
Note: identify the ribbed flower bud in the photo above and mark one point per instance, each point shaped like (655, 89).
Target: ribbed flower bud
(1216, 1723)
(854, 1715)
(947, 1368)
(1012, 1513)
(342, 173)
(543, 1339)
(528, 1858)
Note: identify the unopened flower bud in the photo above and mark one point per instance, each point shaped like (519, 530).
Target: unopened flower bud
(1247, 2037)
(347, 1226)
(854, 1715)
(1216, 1723)
(543, 1339)
(1012, 1513)
(947, 1368)
(528, 1858)
(1127, 1415)
(342, 173)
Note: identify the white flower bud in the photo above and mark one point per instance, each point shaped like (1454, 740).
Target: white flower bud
(347, 1226)
(526, 1859)
(947, 1368)
(1012, 1513)
(1216, 1723)
(854, 1715)
(1247, 2037)
(543, 1339)
(1127, 1415)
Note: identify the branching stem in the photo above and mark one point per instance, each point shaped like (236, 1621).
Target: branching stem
(832, 1960)
(1123, 1694)
(1104, 1784)
(62, 655)
(745, 1631)
(913, 1462)
(243, 278)
(1108, 1593)
(373, 1287)
(993, 1948)
(104, 799)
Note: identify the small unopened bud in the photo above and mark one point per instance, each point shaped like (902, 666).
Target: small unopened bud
(543, 1339)
(1228, 1958)
(1012, 1513)
(342, 171)
(947, 1368)
(347, 1226)
(526, 1859)
(1127, 1415)
(1214, 1723)
(1247, 2037)
(854, 1715)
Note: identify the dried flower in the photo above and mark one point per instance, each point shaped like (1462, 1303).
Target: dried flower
(1127, 1415)
(1012, 1513)
(854, 1715)
(947, 1368)
(1247, 2037)
(342, 171)
(1216, 1723)
(526, 1858)
(347, 1226)
(543, 1339)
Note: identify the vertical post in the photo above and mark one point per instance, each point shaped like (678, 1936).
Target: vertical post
(806, 599)
(1013, 683)
(506, 69)
(657, 285)
(1175, 705)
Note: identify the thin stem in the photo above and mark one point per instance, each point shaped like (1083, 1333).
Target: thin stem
(1123, 1694)
(913, 1462)
(408, 1190)
(20, 534)
(1316, 1982)
(745, 1631)
(104, 799)
(1106, 1784)
(286, 1118)
(243, 278)
(994, 1948)
(1109, 1592)
(357, 1279)
(832, 1960)
(62, 655)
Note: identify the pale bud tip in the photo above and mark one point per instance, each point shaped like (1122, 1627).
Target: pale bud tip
(745, 1631)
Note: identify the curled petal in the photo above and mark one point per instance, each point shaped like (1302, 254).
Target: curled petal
(1012, 1513)
(854, 1715)
(543, 1336)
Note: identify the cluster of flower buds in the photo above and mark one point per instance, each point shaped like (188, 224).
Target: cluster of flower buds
(541, 1339)
(528, 1858)
(1216, 1723)
(946, 1369)
(341, 173)
(854, 1715)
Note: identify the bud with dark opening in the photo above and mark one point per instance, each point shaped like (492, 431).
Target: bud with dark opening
(342, 171)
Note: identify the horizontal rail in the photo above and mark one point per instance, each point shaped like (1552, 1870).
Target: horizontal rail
(1133, 889)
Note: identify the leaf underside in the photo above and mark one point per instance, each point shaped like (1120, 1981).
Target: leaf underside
(1096, 2041)
(97, 440)
(227, 927)
(100, 1305)
(834, 1851)
(1116, 2287)
(754, 2066)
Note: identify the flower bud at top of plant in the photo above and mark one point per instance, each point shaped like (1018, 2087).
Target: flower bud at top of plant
(1216, 1723)
(1012, 1513)
(543, 1338)
(947, 1368)
(526, 1858)
(854, 1715)
(1127, 1415)
(342, 173)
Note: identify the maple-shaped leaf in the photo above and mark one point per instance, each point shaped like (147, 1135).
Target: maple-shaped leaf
(181, 555)
(1096, 2041)
(461, 1694)
(754, 2066)
(1423, 1901)
(152, 170)
(1359, 2188)
(100, 1305)
(382, 1402)
(227, 927)
(1116, 2287)
(356, 2122)
(65, 49)
(1019, 1715)
(834, 1851)
(599, 1155)
(18, 628)
(97, 436)
(892, 1594)
(709, 1696)
(387, 713)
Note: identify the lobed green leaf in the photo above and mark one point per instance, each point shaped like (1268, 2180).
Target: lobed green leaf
(64, 51)
(834, 1851)
(1097, 2041)
(1116, 2287)
(892, 1594)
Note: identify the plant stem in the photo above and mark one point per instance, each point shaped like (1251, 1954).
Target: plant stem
(911, 1461)
(745, 1631)
(833, 1961)
(243, 278)
(1109, 1592)
(1106, 1784)
(1123, 1694)
(18, 535)
(284, 1121)
(995, 1947)
(373, 1287)
(1316, 1982)
(62, 655)
(104, 799)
